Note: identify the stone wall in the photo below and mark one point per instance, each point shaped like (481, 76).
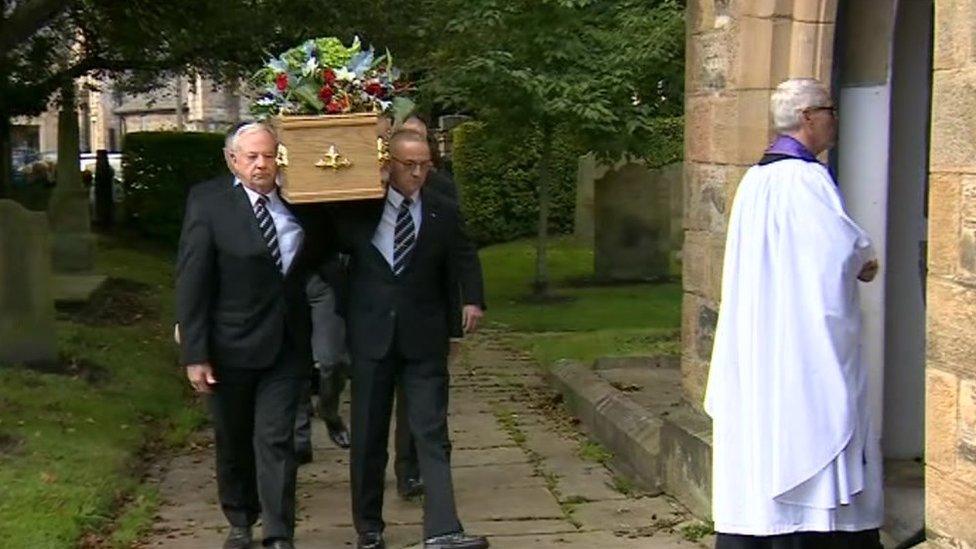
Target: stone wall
(737, 52)
(951, 332)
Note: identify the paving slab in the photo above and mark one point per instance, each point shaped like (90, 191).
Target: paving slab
(533, 490)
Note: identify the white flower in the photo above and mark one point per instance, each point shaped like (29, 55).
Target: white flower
(344, 74)
(310, 67)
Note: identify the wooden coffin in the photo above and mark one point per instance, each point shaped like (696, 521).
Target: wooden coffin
(329, 158)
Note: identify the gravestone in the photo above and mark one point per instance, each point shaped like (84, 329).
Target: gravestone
(26, 294)
(588, 171)
(634, 222)
(72, 242)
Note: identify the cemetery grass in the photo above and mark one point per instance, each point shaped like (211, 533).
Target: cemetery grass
(590, 320)
(77, 447)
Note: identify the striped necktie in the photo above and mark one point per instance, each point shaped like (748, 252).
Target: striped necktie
(267, 226)
(404, 237)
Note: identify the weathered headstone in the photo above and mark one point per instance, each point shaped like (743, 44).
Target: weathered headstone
(26, 295)
(634, 222)
(588, 171)
(72, 243)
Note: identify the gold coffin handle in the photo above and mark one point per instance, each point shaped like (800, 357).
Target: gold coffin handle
(333, 159)
(382, 150)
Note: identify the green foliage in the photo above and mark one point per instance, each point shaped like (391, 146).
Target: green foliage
(665, 144)
(604, 70)
(158, 168)
(498, 182)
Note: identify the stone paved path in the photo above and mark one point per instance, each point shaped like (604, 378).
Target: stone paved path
(518, 474)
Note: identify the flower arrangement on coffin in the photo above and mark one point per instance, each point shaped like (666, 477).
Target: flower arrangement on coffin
(325, 98)
(323, 76)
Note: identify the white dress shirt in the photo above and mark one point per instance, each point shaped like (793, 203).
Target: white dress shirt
(289, 232)
(386, 229)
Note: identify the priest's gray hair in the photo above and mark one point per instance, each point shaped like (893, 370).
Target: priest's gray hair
(792, 97)
(244, 128)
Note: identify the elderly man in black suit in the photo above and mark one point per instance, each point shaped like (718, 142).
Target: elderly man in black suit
(244, 322)
(407, 252)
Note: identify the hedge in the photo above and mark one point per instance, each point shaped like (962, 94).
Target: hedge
(158, 169)
(497, 181)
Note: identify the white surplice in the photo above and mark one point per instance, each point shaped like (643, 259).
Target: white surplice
(793, 447)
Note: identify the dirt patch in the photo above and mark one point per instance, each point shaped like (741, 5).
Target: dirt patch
(10, 444)
(77, 368)
(119, 302)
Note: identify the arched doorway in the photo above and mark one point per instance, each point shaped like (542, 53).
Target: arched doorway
(882, 81)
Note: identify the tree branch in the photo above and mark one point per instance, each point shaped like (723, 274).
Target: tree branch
(27, 18)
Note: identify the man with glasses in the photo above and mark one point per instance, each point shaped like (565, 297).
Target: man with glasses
(405, 252)
(796, 456)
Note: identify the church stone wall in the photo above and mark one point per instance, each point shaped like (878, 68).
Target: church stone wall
(950, 472)
(737, 52)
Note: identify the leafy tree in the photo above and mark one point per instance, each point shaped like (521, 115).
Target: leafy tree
(602, 70)
(45, 45)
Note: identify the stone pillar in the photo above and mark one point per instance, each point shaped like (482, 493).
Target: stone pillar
(72, 243)
(950, 423)
(26, 295)
(736, 54)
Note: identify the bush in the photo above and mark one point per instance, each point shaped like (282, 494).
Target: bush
(497, 180)
(158, 168)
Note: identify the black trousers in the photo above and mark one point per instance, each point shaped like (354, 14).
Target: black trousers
(405, 465)
(864, 539)
(425, 389)
(253, 413)
(330, 382)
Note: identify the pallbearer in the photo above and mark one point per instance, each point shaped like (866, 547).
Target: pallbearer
(797, 462)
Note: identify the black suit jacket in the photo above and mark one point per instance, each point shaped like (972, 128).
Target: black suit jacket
(234, 307)
(416, 305)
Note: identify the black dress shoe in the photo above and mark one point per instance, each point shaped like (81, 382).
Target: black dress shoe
(410, 488)
(457, 540)
(303, 456)
(281, 544)
(371, 540)
(239, 537)
(339, 436)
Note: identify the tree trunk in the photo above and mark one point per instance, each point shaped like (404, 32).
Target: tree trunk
(6, 155)
(541, 284)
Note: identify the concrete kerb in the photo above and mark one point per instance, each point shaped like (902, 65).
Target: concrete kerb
(670, 452)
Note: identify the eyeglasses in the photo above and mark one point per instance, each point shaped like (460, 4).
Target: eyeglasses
(831, 108)
(412, 165)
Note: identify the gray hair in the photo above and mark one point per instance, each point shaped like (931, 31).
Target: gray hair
(792, 97)
(244, 128)
(405, 136)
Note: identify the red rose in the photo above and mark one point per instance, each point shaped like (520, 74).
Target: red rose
(329, 76)
(325, 94)
(334, 107)
(282, 82)
(375, 89)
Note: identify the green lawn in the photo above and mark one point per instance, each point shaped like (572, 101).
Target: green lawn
(591, 320)
(72, 452)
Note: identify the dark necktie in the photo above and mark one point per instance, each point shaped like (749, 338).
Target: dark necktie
(404, 237)
(267, 226)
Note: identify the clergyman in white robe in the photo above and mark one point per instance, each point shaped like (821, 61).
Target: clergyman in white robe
(793, 449)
